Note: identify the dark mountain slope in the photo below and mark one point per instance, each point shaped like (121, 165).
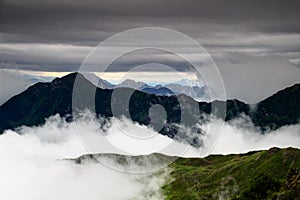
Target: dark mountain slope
(38, 102)
(282, 108)
(43, 100)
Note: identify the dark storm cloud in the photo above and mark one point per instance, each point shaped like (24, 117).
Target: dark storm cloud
(205, 9)
(138, 58)
(61, 58)
(90, 21)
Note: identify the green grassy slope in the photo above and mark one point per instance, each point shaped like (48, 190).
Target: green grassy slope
(271, 174)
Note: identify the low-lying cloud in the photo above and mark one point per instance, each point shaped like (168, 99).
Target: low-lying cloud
(32, 168)
(240, 136)
(32, 165)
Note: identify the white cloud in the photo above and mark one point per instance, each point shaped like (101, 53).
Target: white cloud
(31, 169)
(236, 138)
(31, 166)
(295, 61)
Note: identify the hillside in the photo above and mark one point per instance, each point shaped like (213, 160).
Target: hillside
(268, 174)
(243, 176)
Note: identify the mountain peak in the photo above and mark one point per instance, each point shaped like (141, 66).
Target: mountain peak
(70, 76)
(131, 84)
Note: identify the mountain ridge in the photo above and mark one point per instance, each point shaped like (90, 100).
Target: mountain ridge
(43, 100)
(189, 88)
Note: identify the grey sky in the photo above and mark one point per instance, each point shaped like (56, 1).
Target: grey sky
(56, 35)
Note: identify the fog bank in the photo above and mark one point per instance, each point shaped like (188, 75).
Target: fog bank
(32, 167)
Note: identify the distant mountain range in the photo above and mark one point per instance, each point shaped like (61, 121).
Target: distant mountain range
(268, 174)
(43, 100)
(190, 88)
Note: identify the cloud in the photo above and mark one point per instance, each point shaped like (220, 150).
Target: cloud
(32, 169)
(73, 20)
(16, 81)
(12, 84)
(32, 166)
(89, 22)
(240, 136)
(295, 61)
(42, 57)
(252, 78)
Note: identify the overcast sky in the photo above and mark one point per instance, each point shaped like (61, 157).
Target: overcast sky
(255, 43)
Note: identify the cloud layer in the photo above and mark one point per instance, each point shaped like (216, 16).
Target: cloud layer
(32, 169)
(32, 166)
